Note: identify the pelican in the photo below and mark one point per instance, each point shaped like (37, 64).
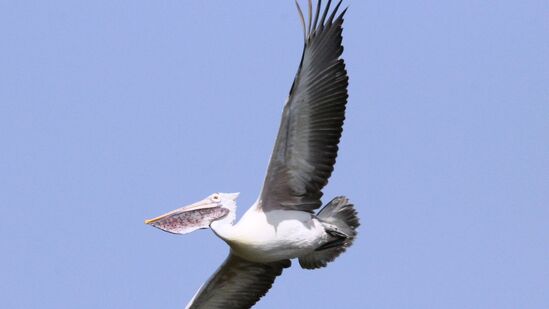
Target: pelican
(282, 224)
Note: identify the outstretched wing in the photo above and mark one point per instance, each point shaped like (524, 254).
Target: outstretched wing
(306, 146)
(238, 283)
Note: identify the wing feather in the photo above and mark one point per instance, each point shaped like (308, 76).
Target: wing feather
(237, 283)
(307, 143)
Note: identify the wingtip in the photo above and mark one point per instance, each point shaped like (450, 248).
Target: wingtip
(302, 19)
(344, 11)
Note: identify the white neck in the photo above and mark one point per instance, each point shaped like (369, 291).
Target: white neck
(224, 227)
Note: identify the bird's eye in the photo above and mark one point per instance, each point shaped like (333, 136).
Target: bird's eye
(216, 198)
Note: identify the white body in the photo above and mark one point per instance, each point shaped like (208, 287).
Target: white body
(272, 236)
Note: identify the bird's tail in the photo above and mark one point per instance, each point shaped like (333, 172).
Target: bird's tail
(340, 220)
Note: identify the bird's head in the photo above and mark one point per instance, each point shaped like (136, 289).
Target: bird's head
(199, 215)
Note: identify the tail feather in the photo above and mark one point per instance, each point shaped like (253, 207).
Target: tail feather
(340, 220)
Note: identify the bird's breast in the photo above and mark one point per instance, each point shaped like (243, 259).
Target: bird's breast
(276, 235)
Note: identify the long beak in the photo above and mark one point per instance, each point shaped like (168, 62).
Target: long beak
(189, 218)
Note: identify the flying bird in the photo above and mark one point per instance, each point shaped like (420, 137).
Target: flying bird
(282, 224)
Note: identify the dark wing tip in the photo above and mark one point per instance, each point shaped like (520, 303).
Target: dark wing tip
(317, 23)
(302, 19)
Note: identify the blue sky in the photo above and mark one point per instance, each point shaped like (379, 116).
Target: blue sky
(115, 111)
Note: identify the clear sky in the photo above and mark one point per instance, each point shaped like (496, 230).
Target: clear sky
(115, 111)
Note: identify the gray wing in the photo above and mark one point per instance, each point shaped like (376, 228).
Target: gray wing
(237, 283)
(307, 143)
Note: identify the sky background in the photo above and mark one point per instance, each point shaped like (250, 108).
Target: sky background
(116, 111)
